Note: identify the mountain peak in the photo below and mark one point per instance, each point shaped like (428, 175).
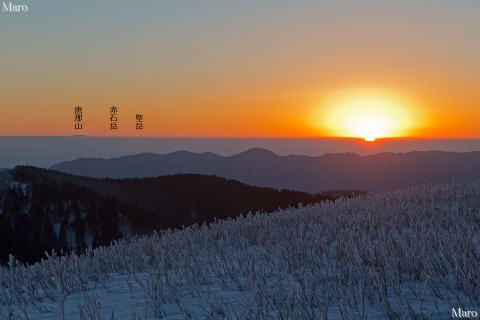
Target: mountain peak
(255, 153)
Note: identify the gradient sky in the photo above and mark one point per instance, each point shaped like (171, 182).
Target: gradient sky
(236, 69)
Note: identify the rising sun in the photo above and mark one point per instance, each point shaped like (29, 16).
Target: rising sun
(368, 115)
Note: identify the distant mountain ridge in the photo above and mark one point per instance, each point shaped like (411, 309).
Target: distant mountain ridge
(260, 167)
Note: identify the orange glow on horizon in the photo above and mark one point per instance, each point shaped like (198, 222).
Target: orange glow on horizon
(315, 69)
(347, 113)
(368, 114)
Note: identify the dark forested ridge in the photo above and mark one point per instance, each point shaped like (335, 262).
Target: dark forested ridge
(41, 209)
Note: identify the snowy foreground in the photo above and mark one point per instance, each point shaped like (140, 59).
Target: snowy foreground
(410, 254)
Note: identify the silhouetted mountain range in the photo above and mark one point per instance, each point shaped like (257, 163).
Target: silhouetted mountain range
(261, 167)
(41, 209)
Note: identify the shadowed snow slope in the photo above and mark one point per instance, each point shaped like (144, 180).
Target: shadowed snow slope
(409, 254)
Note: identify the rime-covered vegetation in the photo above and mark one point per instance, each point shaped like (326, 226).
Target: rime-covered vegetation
(409, 254)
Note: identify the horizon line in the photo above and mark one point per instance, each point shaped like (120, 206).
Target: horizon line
(244, 137)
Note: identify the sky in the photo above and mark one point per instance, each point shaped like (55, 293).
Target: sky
(268, 68)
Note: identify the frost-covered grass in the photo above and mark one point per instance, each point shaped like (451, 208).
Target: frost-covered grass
(408, 254)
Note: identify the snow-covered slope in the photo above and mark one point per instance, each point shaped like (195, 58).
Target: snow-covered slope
(409, 254)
